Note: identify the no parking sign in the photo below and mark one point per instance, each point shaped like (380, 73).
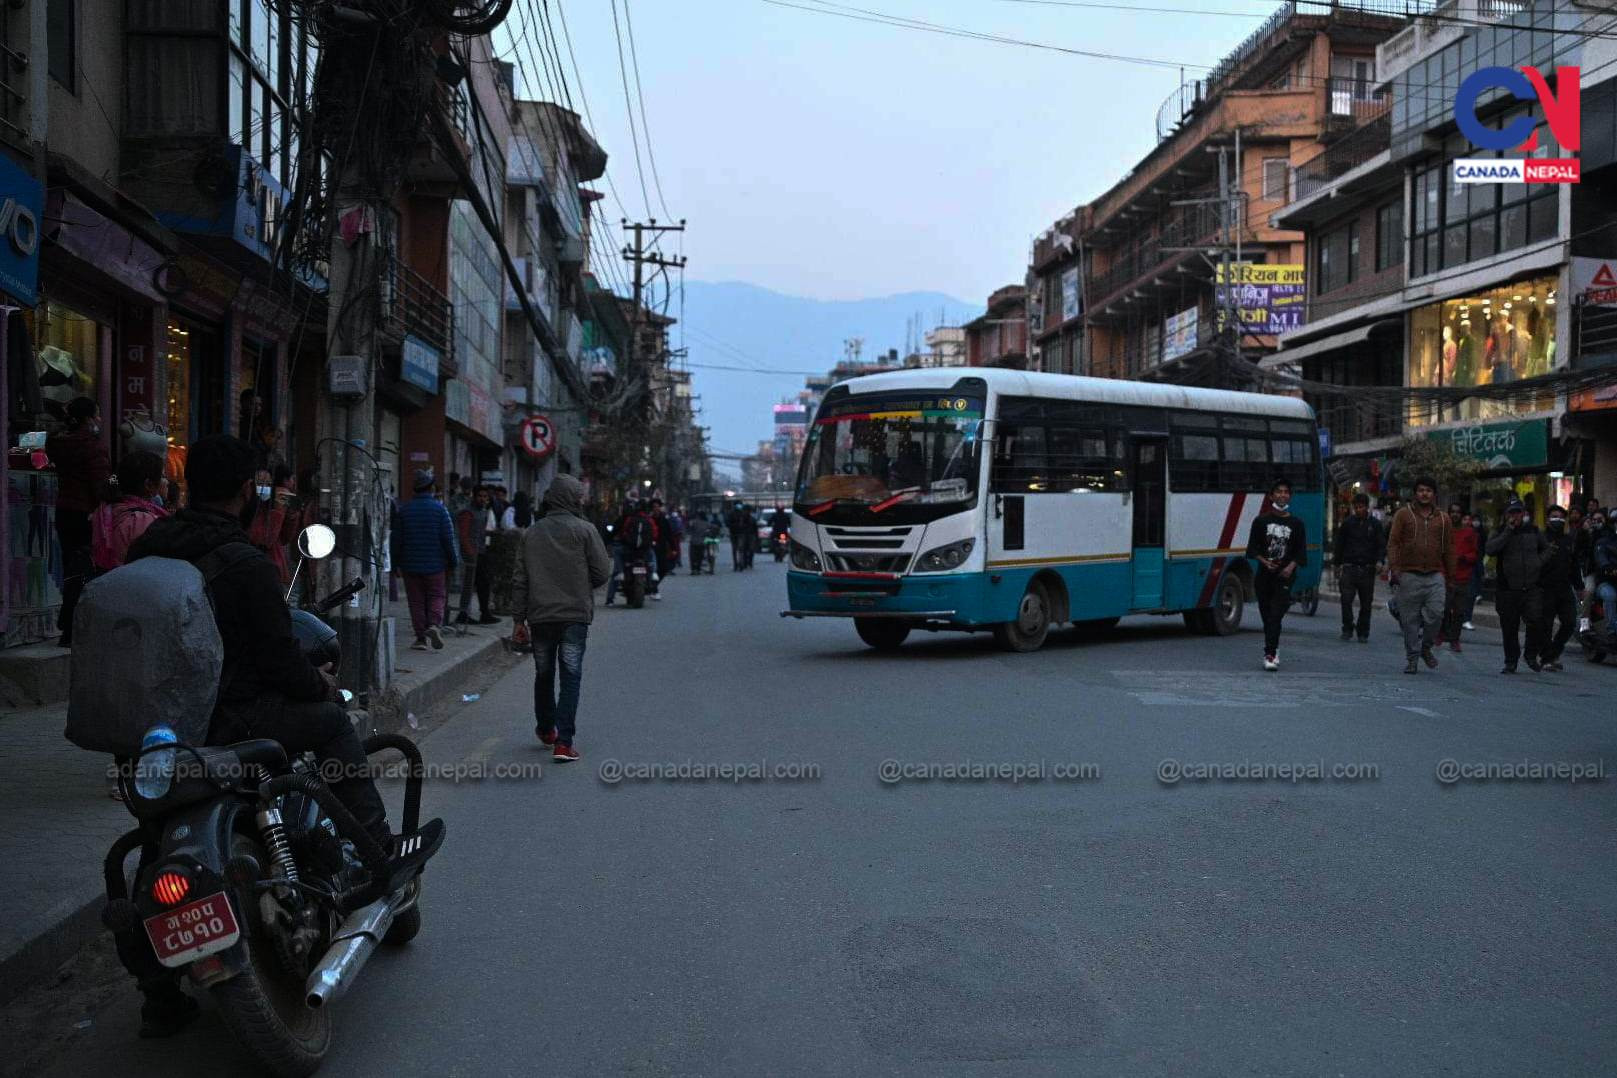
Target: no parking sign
(538, 437)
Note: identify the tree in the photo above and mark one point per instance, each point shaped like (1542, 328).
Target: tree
(1435, 458)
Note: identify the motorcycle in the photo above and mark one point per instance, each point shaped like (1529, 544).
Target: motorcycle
(781, 541)
(256, 882)
(636, 579)
(1597, 640)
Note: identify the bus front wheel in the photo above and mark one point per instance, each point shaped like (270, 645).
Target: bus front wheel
(1223, 618)
(883, 634)
(1032, 622)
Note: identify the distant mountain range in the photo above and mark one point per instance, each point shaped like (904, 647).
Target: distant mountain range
(730, 324)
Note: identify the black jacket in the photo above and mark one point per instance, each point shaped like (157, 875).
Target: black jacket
(1559, 569)
(1518, 554)
(261, 654)
(1360, 542)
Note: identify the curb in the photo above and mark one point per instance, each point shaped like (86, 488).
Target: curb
(78, 923)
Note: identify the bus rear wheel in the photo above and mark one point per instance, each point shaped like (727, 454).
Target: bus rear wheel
(1032, 622)
(883, 634)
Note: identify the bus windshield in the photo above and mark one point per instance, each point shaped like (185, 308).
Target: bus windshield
(878, 453)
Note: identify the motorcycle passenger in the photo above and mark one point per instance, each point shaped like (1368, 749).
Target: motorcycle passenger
(268, 688)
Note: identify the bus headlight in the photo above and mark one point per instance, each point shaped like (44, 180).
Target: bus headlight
(942, 559)
(804, 558)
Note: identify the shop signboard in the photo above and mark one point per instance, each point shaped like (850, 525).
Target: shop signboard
(1594, 282)
(1270, 299)
(418, 364)
(458, 402)
(1070, 307)
(1500, 446)
(1600, 399)
(1179, 333)
(21, 203)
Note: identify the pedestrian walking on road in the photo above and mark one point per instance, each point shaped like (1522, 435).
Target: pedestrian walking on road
(1360, 550)
(471, 531)
(1279, 544)
(553, 587)
(424, 551)
(1557, 579)
(1519, 549)
(1457, 595)
(1420, 558)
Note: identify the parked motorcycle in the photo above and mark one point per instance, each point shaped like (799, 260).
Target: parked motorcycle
(256, 881)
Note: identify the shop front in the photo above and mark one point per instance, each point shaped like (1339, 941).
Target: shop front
(1517, 460)
(1498, 335)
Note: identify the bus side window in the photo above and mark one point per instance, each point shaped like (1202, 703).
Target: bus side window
(1194, 463)
(1020, 463)
(1293, 459)
(1080, 460)
(1245, 463)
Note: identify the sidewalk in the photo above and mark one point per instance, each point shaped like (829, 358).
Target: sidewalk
(60, 822)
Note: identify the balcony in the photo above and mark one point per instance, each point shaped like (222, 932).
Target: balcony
(1352, 103)
(1187, 226)
(1356, 149)
(540, 288)
(412, 306)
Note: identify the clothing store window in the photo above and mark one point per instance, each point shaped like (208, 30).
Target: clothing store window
(1502, 335)
(68, 346)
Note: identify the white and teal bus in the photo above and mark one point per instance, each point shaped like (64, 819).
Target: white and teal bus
(986, 499)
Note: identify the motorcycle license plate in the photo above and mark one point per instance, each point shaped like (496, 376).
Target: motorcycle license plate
(639, 570)
(195, 929)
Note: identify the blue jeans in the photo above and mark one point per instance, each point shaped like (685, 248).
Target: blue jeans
(557, 644)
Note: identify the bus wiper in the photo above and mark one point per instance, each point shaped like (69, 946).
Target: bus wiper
(894, 498)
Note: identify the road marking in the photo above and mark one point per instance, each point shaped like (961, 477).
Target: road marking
(1428, 712)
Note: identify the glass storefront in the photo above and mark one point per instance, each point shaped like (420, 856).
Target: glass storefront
(194, 377)
(68, 348)
(1502, 335)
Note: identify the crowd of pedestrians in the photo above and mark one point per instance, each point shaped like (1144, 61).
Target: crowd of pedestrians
(1544, 581)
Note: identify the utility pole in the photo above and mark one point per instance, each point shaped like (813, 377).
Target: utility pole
(638, 255)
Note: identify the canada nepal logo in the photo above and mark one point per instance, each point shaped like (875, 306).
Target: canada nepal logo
(1563, 110)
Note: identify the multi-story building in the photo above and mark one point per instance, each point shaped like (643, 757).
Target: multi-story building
(1227, 149)
(998, 337)
(1423, 282)
(1055, 297)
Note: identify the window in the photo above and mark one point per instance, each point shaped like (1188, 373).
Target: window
(1502, 335)
(1276, 178)
(1083, 459)
(272, 62)
(1193, 452)
(1389, 235)
(1336, 260)
(1019, 459)
(62, 45)
(1352, 251)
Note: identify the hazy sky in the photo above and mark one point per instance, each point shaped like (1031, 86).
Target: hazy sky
(832, 158)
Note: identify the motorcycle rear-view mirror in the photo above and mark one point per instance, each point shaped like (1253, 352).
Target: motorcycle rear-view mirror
(317, 541)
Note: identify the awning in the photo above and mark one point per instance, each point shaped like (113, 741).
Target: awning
(1324, 344)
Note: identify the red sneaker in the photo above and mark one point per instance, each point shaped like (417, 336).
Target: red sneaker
(547, 737)
(564, 753)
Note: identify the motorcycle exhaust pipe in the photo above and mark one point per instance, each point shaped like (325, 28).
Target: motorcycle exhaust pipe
(357, 937)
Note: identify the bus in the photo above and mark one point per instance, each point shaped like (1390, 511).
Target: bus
(986, 499)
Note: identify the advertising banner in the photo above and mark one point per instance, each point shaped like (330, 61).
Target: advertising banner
(1271, 300)
(1070, 307)
(1179, 333)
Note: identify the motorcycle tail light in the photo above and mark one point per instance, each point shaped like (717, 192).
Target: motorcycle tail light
(170, 888)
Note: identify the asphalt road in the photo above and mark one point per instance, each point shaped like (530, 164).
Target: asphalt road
(1118, 924)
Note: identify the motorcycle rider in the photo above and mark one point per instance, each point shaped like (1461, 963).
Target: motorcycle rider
(268, 688)
(780, 523)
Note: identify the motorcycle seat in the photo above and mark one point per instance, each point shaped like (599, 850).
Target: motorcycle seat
(205, 771)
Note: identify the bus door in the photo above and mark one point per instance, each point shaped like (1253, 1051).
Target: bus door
(1148, 468)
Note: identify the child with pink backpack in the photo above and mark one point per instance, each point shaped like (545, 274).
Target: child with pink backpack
(117, 523)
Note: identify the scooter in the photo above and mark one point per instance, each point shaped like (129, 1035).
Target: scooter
(256, 882)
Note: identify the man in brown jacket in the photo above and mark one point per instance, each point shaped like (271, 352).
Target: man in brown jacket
(1420, 559)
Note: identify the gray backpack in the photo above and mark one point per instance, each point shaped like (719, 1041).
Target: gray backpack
(146, 650)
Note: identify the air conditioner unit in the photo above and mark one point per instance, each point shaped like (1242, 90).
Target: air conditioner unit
(347, 377)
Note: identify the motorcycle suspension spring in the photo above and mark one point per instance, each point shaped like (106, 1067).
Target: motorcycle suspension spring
(274, 832)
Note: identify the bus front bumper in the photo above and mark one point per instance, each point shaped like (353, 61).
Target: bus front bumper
(958, 599)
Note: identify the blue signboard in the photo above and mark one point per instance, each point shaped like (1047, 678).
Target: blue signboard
(419, 364)
(22, 201)
(1324, 443)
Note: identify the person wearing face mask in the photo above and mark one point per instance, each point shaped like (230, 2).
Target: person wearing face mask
(1603, 558)
(82, 468)
(1519, 549)
(1279, 544)
(1555, 580)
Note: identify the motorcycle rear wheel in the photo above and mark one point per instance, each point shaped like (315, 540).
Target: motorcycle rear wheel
(263, 1006)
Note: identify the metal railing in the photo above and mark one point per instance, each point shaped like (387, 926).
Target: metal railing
(1325, 168)
(1355, 99)
(412, 304)
(1185, 226)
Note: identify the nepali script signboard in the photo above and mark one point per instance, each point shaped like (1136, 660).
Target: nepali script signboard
(1270, 299)
(1500, 446)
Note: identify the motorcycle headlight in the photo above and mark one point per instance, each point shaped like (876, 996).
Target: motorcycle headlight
(942, 559)
(804, 558)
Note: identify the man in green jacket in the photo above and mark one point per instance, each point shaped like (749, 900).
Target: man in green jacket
(553, 587)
